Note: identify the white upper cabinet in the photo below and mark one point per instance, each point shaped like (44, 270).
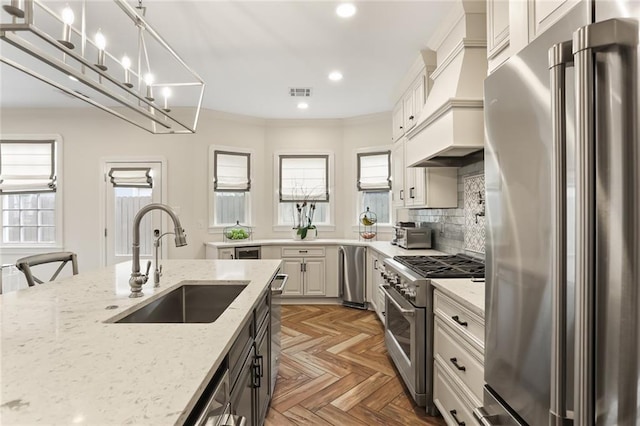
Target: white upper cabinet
(497, 32)
(397, 121)
(512, 24)
(397, 174)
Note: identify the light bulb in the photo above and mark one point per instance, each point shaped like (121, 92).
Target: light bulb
(346, 10)
(166, 92)
(335, 76)
(101, 42)
(67, 15)
(148, 78)
(126, 62)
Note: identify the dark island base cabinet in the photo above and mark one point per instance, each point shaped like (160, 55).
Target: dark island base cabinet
(250, 367)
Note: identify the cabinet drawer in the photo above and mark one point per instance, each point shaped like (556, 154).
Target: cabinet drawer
(447, 397)
(238, 350)
(460, 357)
(303, 252)
(470, 325)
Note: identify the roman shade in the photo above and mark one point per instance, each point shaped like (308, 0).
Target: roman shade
(231, 171)
(304, 178)
(27, 167)
(374, 171)
(131, 177)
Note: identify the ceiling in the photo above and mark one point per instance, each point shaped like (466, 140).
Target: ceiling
(249, 53)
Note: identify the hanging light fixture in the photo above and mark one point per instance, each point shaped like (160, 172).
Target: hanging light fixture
(67, 65)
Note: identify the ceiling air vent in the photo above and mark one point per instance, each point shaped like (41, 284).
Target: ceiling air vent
(300, 92)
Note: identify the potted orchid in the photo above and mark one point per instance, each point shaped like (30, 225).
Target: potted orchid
(303, 219)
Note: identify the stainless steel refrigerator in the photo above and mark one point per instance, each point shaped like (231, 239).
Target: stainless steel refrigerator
(562, 163)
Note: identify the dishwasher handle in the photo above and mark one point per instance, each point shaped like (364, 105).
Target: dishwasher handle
(341, 261)
(278, 291)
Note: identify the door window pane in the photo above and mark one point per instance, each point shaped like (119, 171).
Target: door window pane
(128, 201)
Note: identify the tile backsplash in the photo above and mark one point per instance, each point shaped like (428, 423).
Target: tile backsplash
(455, 230)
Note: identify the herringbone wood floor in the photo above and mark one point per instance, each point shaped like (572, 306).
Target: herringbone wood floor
(335, 370)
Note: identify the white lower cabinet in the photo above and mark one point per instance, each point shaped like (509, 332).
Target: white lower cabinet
(458, 360)
(307, 274)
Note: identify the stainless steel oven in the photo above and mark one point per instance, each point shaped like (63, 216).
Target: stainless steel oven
(409, 316)
(405, 338)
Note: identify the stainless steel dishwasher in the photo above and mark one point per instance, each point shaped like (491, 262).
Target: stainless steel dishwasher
(352, 266)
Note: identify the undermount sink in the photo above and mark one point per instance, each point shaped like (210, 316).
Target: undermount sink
(193, 302)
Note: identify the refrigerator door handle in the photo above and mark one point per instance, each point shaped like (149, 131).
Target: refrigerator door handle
(560, 58)
(609, 35)
(341, 278)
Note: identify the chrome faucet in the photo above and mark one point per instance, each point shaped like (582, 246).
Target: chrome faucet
(137, 279)
(157, 273)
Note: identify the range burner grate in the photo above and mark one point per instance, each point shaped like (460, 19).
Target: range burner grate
(450, 266)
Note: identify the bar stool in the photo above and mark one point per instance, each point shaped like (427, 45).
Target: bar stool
(26, 263)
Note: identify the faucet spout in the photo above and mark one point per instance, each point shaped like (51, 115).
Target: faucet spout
(137, 279)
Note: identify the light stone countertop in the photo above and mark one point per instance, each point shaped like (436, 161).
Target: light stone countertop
(61, 363)
(464, 291)
(383, 247)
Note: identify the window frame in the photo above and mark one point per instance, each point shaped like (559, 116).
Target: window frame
(213, 227)
(359, 204)
(359, 170)
(58, 243)
(286, 227)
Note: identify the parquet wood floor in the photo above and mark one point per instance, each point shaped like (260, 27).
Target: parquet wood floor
(335, 370)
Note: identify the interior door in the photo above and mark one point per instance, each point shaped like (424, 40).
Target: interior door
(122, 201)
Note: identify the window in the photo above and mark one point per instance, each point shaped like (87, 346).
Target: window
(28, 185)
(374, 184)
(231, 187)
(303, 178)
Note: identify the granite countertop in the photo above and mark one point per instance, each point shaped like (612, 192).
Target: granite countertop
(383, 247)
(63, 364)
(464, 291)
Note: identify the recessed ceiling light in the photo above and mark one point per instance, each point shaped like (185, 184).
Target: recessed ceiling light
(346, 10)
(335, 76)
(303, 105)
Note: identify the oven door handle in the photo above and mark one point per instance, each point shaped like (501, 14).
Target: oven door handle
(403, 311)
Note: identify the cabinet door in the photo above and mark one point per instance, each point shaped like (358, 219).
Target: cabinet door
(419, 97)
(293, 268)
(397, 121)
(314, 277)
(497, 32)
(372, 271)
(263, 361)
(544, 13)
(397, 164)
(410, 186)
(226, 253)
(419, 186)
(242, 393)
(409, 111)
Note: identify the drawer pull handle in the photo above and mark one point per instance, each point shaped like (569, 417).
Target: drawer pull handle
(457, 319)
(455, 417)
(454, 361)
(303, 251)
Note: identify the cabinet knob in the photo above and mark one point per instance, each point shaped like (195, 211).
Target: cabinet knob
(400, 127)
(411, 118)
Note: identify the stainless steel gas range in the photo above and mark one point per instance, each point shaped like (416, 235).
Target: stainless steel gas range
(409, 315)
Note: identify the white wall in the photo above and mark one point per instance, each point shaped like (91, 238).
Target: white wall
(91, 135)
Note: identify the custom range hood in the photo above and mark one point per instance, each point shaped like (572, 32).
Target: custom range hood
(450, 129)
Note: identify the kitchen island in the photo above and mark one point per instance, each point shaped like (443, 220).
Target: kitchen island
(63, 362)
